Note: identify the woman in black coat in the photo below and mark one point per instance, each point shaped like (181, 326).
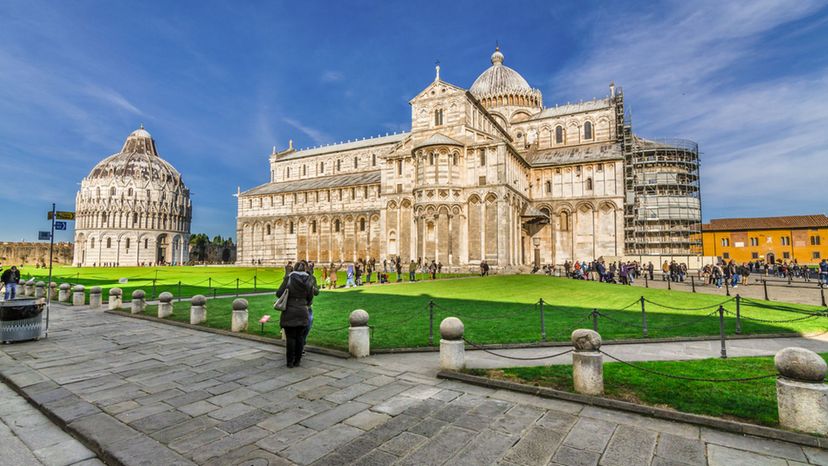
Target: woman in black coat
(294, 319)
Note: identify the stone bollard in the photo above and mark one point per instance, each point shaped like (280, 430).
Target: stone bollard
(801, 395)
(165, 306)
(452, 346)
(95, 297)
(587, 362)
(198, 310)
(40, 290)
(65, 292)
(239, 320)
(359, 335)
(28, 287)
(138, 303)
(115, 298)
(78, 295)
(53, 291)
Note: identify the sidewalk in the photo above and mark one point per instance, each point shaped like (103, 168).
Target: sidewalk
(149, 393)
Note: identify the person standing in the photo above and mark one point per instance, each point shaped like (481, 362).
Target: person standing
(412, 270)
(295, 318)
(650, 269)
(10, 277)
(315, 288)
(398, 268)
(823, 272)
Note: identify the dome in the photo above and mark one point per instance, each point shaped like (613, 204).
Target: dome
(499, 79)
(138, 161)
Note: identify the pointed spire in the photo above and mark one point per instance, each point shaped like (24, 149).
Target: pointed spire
(290, 144)
(437, 68)
(274, 151)
(142, 126)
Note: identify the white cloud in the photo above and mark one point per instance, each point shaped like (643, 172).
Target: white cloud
(316, 135)
(684, 74)
(331, 76)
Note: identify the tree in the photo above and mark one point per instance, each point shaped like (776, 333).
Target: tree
(198, 245)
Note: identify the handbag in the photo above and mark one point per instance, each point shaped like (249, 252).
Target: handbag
(281, 303)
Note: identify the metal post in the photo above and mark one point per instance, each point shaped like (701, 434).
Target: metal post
(727, 286)
(722, 332)
(822, 293)
(431, 322)
(49, 283)
(790, 278)
(738, 314)
(254, 283)
(153, 288)
(765, 285)
(595, 319)
(179, 291)
(214, 293)
(646, 282)
(644, 317)
(209, 282)
(693, 283)
(237, 287)
(542, 322)
(669, 283)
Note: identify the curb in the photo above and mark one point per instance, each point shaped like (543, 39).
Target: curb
(660, 413)
(553, 344)
(227, 333)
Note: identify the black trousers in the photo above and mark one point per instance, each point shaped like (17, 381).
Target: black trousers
(295, 342)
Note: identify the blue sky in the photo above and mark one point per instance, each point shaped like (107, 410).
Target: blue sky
(219, 83)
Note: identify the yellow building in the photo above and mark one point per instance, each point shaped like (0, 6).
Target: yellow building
(803, 238)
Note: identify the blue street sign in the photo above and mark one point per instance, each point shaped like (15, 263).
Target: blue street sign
(60, 225)
(44, 235)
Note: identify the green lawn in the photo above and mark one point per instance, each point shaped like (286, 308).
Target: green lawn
(500, 309)
(206, 280)
(752, 401)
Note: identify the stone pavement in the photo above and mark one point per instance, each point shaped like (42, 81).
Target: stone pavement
(149, 393)
(428, 363)
(27, 437)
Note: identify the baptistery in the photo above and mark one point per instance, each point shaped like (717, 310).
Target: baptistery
(133, 209)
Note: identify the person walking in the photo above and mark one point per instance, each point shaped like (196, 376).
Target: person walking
(349, 276)
(10, 278)
(315, 288)
(295, 318)
(823, 272)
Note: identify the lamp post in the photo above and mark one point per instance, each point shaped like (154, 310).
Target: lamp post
(536, 241)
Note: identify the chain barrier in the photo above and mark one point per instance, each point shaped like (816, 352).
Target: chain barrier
(517, 358)
(683, 377)
(765, 305)
(773, 321)
(634, 303)
(688, 308)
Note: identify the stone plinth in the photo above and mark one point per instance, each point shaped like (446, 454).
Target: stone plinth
(40, 290)
(138, 302)
(801, 395)
(95, 297)
(28, 288)
(198, 309)
(588, 372)
(115, 298)
(165, 306)
(239, 319)
(359, 335)
(78, 295)
(53, 291)
(452, 346)
(65, 292)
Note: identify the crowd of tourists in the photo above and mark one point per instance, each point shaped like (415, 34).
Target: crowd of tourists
(369, 271)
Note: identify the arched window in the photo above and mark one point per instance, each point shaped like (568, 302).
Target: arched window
(146, 242)
(431, 158)
(438, 117)
(362, 224)
(338, 165)
(548, 187)
(134, 218)
(148, 194)
(365, 192)
(291, 227)
(108, 243)
(559, 135)
(336, 225)
(287, 172)
(589, 184)
(98, 192)
(91, 243)
(267, 229)
(304, 170)
(112, 191)
(373, 160)
(482, 157)
(353, 193)
(313, 226)
(356, 162)
(588, 130)
(454, 159)
(103, 217)
(127, 243)
(564, 221)
(321, 167)
(129, 192)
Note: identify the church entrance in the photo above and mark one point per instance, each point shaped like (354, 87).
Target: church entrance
(770, 258)
(161, 249)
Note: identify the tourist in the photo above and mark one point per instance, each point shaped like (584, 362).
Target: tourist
(10, 278)
(349, 276)
(295, 318)
(288, 268)
(823, 272)
(333, 274)
(369, 269)
(398, 268)
(358, 273)
(315, 288)
(482, 268)
(665, 269)
(412, 271)
(717, 275)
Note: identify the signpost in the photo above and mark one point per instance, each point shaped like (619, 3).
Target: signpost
(53, 215)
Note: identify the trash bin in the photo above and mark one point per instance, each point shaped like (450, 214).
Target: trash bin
(21, 319)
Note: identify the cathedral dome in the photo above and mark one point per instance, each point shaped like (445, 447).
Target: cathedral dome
(138, 161)
(499, 79)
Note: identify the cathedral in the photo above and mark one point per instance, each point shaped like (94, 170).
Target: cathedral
(484, 174)
(133, 209)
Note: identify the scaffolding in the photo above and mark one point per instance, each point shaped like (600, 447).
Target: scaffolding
(662, 211)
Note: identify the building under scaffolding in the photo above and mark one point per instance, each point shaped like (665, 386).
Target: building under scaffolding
(662, 212)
